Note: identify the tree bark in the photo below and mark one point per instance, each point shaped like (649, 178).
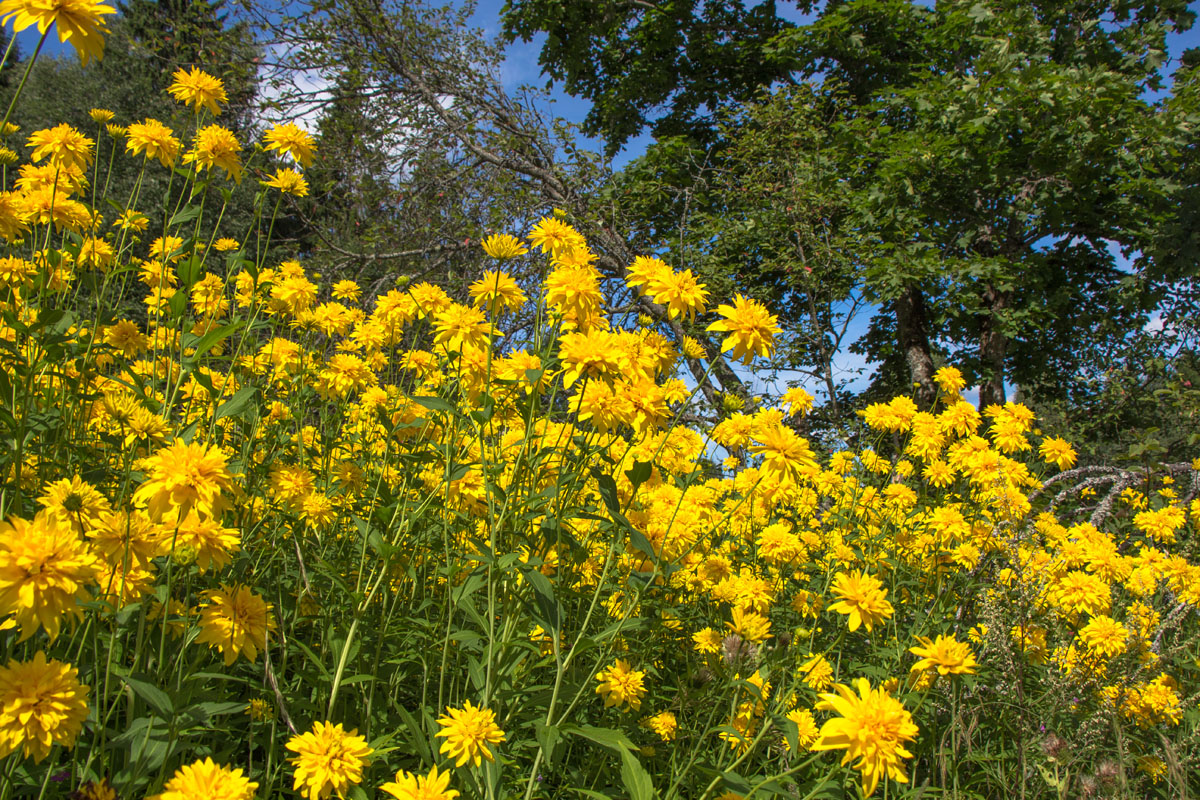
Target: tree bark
(912, 327)
(993, 347)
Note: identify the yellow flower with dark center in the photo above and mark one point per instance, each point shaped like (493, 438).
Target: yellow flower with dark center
(328, 759)
(199, 90)
(946, 654)
(153, 139)
(468, 731)
(751, 327)
(502, 245)
(182, 477)
(861, 597)
(235, 620)
(75, 503)
(496, 290)
(872, 727)
(434, 786)
(216, 146)
(78, 21)
(42, 704)
(44, 569)
(288, 181)
(207, 780)
(621, 684)
(64, 146)
(292, 140)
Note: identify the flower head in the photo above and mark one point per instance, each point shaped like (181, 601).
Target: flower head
(502, 245)
(434, 786)
(861, 597)
(42, 704)
(153, 139)
(78, 21)
(751, 327)
(948, 655)
(184, 476)
(468, 731)
(288, 181)
(198, 89)
(207, 780)
(44, 569)
(497, 290)
(328, 760)
(292, 140)
(872, 727)
(235, 621)
(63, 145)
(620, 684)
(216, 146)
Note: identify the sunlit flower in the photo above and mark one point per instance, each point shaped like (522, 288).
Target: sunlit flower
(198, 89)
(153, 139)
(871, 727)
(621, 684)
(207, 780)
(290, 139)
(78, 21)
(288, 181)
(751, 327)
(328, 760)
(184, 476)
(215, 146)
(42, 704)
(235, 620)
(44, 571)
(663, 723)
(862, 597)
(468, 731)
(945, 654)
(434, 786)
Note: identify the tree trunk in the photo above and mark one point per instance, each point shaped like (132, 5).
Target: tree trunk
(993, 347)
(912, 326)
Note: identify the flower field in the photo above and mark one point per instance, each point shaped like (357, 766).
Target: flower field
(267, 536)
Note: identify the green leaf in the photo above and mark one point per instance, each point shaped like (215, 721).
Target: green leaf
(153, 696)
(548, 737)
(236, 405)
(605, 737)
(637, 781)
(551, 612)
(639, 473)
(187, 214)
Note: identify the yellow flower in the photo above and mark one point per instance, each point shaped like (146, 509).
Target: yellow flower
(225, 244)
(292, 140)
(101, 115)
(78, 21)
(786, 456)
(749, 625)
(215, 146)
(207, 780)
(664, 724)
(44, 568)
(502, 245)
(751, 327)
(950, 380)
(235, 621)
(948, 655)
(42, 704)
(1058, 452)
(1104, 636)
(433, 786)
(468, 731)
(806, 728)
(862, 597)
(461, 326)
(199, 89)
(872, 727)
(184, 476)
(555, 236)
(63, 145)
(680, 292)
(497, 290)
(288, 181)
(153, 139)
(817, 672)
(328, 760)
(75, 503)
(620, 684)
